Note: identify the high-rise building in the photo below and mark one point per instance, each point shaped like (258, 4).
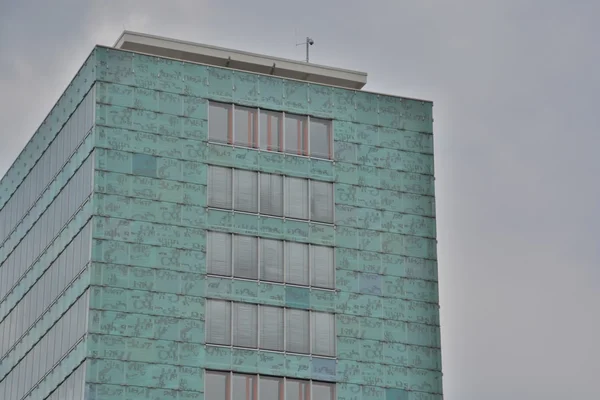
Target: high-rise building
(192, 222)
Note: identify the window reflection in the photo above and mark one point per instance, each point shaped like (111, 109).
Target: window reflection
(270, 130)
(236, 386)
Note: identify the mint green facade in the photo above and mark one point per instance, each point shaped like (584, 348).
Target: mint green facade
(145, 284)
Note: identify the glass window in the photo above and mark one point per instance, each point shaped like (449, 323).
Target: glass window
(296, 198)
(271, 328)
(219, 184)
(297, 331)
(246, 126)
(271, 194)
(322, 267)
(296, 135)
(296, 261)
(271, 388)
(220, 122)
(321, 206)
(218, 255)
(245, 325)
(246, 191)
(216, 385)
(323, 391)
(218, 322)
(271, 130)
(246, 257)
(243, 387)
(297, 390)
(323, 334)
(271, 260)
(320, 138)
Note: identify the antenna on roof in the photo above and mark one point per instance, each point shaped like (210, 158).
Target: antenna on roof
(309, 42)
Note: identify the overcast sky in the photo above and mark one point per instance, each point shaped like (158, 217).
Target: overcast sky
(515, 87)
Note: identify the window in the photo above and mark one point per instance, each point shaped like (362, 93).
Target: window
(270, 130)
(297, 263)
(246, 127)
(270, 328)
(297, 340)
(297, 390)
(220, 188)
(246, 191)
(219, 254)
(220, 128)
(246, 257)
(323, 342)
(245, 325)
(270, 260)
(218, 322)
(320, 138)
(217, 386)
(321, 202)
(296, 190)
(270, 194)
(271, 388)
(296, 134)
(236, 386)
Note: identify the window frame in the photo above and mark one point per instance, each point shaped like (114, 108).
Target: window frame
(309, 330)
(259, 279)
(282, 383)
(256, 145)
(284, 197)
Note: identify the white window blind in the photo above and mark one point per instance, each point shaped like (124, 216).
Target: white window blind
(271, 330)
(219, 187)
(297, 340)
(322, 267)
(271, 194)
(297, 263)
(245, 325)
(246, 191)
(246, 257)
(218, 255)
(321, 201)
(296, 195)
(271, 262)
(218, 322)
(323, 333)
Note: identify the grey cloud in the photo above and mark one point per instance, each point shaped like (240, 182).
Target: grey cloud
(515, 88)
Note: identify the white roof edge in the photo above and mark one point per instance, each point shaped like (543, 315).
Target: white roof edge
(242, 60)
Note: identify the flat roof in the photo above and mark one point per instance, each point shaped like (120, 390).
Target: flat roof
(241, 60)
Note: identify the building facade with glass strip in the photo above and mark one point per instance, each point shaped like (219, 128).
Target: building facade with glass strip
(192, 222)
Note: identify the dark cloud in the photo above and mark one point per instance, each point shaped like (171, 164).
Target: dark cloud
(514, 85)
